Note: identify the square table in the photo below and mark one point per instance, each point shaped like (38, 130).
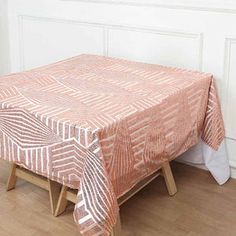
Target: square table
(101, 125)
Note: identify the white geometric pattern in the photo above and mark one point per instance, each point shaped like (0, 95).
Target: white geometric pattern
(100, 125)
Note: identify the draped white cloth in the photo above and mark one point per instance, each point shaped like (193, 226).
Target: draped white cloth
(203, 156)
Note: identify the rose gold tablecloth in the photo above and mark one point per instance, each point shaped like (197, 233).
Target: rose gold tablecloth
(100, 125)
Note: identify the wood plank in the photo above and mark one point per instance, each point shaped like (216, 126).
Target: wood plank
(35, 179)
(71, 195)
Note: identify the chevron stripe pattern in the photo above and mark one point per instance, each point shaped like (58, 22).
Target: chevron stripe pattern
(101, 125)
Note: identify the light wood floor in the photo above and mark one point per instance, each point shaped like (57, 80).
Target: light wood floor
(200, 208)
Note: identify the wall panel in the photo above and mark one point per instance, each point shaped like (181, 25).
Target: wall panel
(191, 34)
(44, 41)
(171, 48)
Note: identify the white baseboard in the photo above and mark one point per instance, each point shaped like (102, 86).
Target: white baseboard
(233, 172)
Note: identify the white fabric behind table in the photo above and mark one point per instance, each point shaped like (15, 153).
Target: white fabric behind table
(205, 157)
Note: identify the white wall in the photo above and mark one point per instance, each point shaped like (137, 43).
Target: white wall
(4, 50)
(194, 34)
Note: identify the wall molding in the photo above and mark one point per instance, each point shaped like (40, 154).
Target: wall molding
(218, 6)
(229, 41)
(4, 39)
(21, 43)
(106, 30)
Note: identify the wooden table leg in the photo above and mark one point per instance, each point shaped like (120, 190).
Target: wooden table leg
(62, 201)
(66, 195)
(11, 183)
(54, 189)
(51, 186)
(169, 179)
(117, 228)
